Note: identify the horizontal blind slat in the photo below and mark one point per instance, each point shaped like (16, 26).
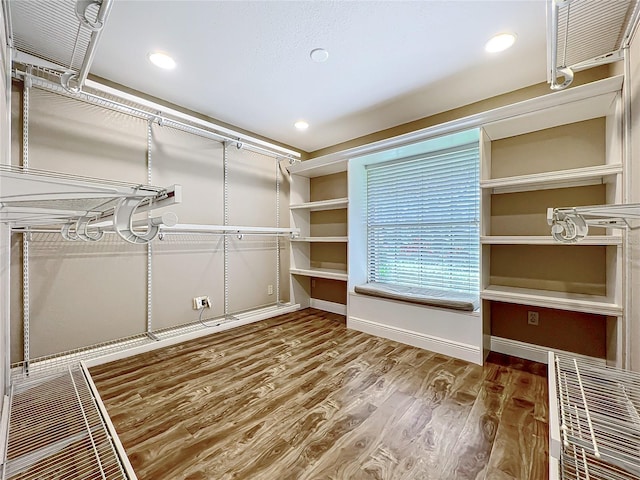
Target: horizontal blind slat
(423, 220)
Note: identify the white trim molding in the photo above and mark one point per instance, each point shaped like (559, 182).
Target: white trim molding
(528, 351)
(332, 307)
(470, 353)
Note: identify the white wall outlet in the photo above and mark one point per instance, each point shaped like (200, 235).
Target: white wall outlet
(533, 318)
(201, 302)
(269, 289)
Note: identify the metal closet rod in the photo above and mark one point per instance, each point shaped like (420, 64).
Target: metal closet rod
(158, 117)
(182, 229)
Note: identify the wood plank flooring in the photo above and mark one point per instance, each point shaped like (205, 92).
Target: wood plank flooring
(301, 397)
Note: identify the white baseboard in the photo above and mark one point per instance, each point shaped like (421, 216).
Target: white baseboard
(332, 307)
(528, 351)
(470, 353)
(243, 319)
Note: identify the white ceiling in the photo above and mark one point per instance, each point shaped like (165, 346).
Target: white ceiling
(247, 63)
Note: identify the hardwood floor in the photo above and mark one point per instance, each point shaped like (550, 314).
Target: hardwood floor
(301, 397)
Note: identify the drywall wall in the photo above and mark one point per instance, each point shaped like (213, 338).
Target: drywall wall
(525, 213)
(576, 145)
(582, 333)
(519, 95)
(188, 265)
(86, 293)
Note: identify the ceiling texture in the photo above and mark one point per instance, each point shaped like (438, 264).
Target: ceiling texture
(247, 63)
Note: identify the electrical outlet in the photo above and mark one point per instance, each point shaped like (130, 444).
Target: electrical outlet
(533, 318)
(269, 289)
(201, 302)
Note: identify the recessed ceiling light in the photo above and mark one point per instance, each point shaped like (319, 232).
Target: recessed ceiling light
(301, 125)
(319, 55)
(162, 60)
(500, 42)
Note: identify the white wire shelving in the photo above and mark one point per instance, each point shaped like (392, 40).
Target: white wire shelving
(595, 421)
(585, 33)
(83, 208)
(59, 429)
(64, 33)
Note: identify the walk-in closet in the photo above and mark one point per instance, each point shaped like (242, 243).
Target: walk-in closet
(320, 240)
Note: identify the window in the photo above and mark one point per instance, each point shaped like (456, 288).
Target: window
(423, 219)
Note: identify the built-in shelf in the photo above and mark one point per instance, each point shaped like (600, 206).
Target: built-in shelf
(551, 299)
(328, 273)
(333, 204)
(557, 179)
(547, 240)
(321, 239)
(319, 167)
(579, 103)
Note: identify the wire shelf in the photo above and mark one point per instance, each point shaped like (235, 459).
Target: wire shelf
(599, 420)
(56, 431)
(78, 204)
(585, 33)
(62, 32)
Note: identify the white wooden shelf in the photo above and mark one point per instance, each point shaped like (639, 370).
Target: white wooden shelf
(321, 239)
(550, 299)
(319, 167)
(333, 204)
(579, 103)
(329, 273)
(547, 240)
(556, 179)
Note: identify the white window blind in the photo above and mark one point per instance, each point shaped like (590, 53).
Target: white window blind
(423, 220)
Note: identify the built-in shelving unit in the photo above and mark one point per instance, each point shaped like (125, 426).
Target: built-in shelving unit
(319, 251)
(568, 153)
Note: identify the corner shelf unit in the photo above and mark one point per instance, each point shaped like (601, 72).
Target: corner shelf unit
(568, 152)
(308, 248)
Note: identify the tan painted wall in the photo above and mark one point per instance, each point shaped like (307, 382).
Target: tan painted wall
(478, 107)
(576, 145)
(329, 290)
(568, 268)
(525, 213)
(83, 293)
(328, 187)
(582, 333)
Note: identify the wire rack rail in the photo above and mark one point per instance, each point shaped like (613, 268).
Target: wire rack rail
(57, 430)
(65, 33)
(84, 207)
(599, 420)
